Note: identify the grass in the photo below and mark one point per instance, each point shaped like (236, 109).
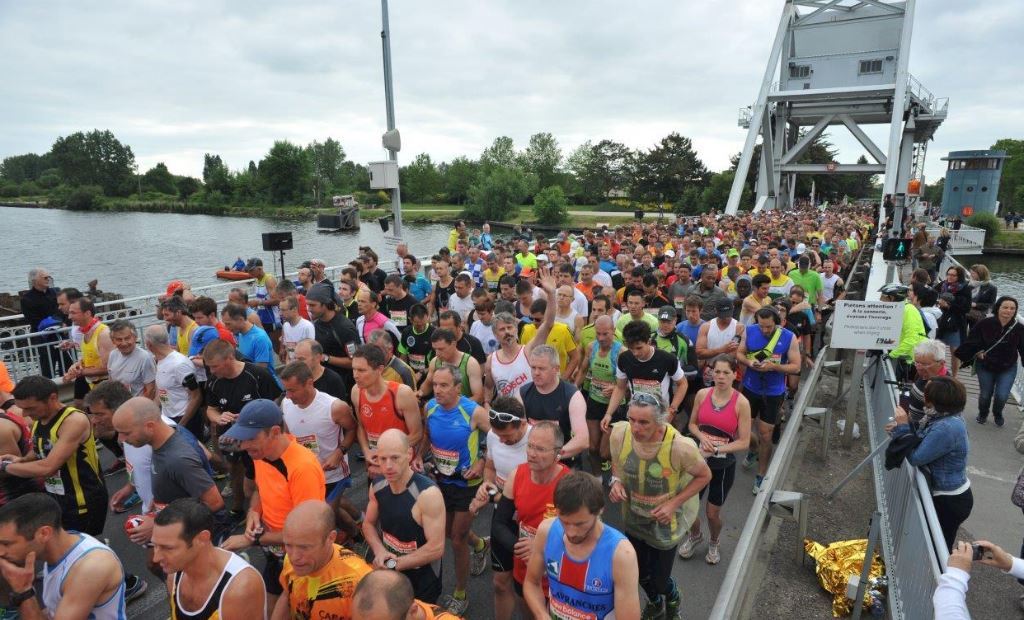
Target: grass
(1004, 239)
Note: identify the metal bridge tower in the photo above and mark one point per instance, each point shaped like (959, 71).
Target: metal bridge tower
(837, 62)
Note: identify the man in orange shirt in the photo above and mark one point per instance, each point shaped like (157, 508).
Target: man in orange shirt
(319, 576)
(387, 595)
(287, 474)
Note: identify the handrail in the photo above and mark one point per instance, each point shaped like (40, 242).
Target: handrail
(732, 591)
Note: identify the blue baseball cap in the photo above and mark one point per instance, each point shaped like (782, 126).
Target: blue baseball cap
(204, 335)
(255, 416)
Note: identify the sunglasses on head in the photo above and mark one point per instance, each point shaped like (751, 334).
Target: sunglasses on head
(643, 398)
(504, 418)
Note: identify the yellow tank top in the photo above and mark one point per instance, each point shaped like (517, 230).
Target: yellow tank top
(91, 351)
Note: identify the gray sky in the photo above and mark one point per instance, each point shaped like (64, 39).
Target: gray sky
(177, 79)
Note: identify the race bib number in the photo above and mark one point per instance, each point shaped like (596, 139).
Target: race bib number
(525, 531)
(446, 461)
(54, 485)
(564, 611)
(680, 303)
(598, 386)
(397, 547)
(165, 399)
(644, 504)
(399, 318)
(647, 386)
(418, 362)
(310, 442)
(371, 438)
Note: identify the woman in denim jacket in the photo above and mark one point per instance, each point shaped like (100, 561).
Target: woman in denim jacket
(942, 452)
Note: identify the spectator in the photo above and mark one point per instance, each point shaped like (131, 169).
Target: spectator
(950, 598)
(943, 448)
(955, 301)
(983, 294)
(994, 346)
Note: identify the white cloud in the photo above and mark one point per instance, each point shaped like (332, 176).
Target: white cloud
(175, 80)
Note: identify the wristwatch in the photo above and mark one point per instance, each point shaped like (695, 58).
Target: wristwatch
(716, 450)
(391, 563)
(613, 480)
(326, 359)
(17, 598)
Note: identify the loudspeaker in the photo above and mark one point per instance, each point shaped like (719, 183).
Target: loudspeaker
(272, 242)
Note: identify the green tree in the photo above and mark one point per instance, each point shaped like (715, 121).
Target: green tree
(933, 191)
(600, 169)
(286, 171)
(668, 169)
(501, 154)
(458, 176)
(216, 177)
(543, 157)
(353, 177)
(550, 206)
(750, 184)
(187, 186)
(27, 167)
(716, 194)
(159, 179)
(689, 203)
(498, 194)
(95, 158)
(325, 160)
(420, 180)
(1012, 176)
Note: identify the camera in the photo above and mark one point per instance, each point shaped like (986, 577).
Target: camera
(761, 356)
(979, 552)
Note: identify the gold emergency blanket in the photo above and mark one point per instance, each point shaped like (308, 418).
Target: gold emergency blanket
(836, 563)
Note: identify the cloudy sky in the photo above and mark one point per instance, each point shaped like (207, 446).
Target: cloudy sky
(178, 79)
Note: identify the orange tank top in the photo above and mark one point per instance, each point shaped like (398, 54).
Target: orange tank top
(377, 417)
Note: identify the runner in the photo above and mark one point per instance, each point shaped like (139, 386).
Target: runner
(720, 336)
(590, 567)
(394, 368)
(598, 372)
(82, 577)
(397, 300)
(319, 576)
(405, 518)
(508, 368)
(549, 397)
(128, 364)
(381, 405)
(453, 423)
(204, 582)
(254, 343)
(657, 510)
(321, 423)
(721, 426)
(414, 345)
(294, 329)
(310, 353)
(335, 333)
(446, 353)
(177, 390)
(180, 325)
(388, 595)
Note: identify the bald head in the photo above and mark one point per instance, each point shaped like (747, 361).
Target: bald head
(382, 595)
(138, 410)
(604, 321)
(137, 421)
(156, 336)
(311, 515)
(393, 440)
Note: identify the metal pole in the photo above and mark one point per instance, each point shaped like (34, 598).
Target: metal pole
(389, 100)
(869, 556)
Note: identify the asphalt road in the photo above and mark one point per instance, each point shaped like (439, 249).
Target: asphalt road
(697, 580)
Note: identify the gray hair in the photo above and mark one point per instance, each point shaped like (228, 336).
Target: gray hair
(381, 337)
(556, 432)
(934, 349)
(547, 351)
(655, 403)
(454, 370)
(156, 334)
(33, 274)
(505, 318)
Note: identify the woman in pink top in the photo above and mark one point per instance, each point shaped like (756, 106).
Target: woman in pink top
(371, 319)
(721, 425)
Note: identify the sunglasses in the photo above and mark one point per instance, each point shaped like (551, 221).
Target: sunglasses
(643, 398)
(504, 418)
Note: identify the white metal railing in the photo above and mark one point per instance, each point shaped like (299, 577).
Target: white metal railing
(966, 240)
(916, 88)
(744, 117)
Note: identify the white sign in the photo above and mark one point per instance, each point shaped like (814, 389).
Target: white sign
(391, 242)
(867, 325)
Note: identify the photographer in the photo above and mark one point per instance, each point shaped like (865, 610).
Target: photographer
(950, 597)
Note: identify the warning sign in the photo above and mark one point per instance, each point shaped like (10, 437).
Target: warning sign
(867, 324)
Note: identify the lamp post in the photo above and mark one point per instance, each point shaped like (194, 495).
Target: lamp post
(391, 139)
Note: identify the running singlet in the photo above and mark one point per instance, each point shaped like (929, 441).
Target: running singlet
(13, 486)
(719, 425)
(534, 503)
(508, 378)
(210, 610)
(602, 371)
(401, 535)
(581, 589)
(465, 387)
(268, 316)
(767, 383)
(53, 581)
(453, 441)
(315, 429)
(377, 417)
(91, 351)
(552, 406)
(78, 483)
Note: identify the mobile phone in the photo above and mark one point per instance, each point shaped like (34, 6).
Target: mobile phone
(980, 552)
(760, 356)
(737, 339)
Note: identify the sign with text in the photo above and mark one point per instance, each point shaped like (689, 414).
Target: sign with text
(391, 242)
(867, 325)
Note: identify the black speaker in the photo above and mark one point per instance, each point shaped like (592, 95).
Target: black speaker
(272, 242)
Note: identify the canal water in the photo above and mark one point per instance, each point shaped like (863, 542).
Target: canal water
(139, 253)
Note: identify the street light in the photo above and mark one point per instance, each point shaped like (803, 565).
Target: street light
(391, 139)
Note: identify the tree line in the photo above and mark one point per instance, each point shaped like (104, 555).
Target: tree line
(84, 168)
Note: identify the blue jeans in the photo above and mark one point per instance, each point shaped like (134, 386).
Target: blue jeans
(994, 386)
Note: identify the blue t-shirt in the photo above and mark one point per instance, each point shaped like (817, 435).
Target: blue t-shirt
(255, 347)
(420, 288)
(690, 331)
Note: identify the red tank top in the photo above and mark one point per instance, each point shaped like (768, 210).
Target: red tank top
(534, 503)
(380, 416)
(725, 419)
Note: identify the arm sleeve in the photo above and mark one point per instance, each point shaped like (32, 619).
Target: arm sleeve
(503, 529)
(950, 597)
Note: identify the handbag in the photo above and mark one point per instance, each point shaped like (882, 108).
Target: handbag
(1017, 497)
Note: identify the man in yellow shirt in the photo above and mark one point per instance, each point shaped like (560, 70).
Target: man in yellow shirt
(560, 338)
(175, 312)
(319, 576)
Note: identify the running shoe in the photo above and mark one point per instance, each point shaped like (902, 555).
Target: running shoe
(757, 484)
(689, 545)
(478, 559)
(117, 467)
(749, 460)
(654, 610)
(134, 587)
(714, 556)
(457, 606)
(673, 607)
(127, 504)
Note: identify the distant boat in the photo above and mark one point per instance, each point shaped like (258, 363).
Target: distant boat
(231, 274)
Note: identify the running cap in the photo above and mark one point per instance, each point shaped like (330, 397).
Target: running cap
(255, 416)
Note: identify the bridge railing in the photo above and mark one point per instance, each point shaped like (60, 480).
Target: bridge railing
(912, 544)
(966, 240)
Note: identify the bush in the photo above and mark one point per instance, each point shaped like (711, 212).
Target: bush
(84, 198)
(498, 195)
(49, 180)
(9, 190)
(550, 206)
(988, 221)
